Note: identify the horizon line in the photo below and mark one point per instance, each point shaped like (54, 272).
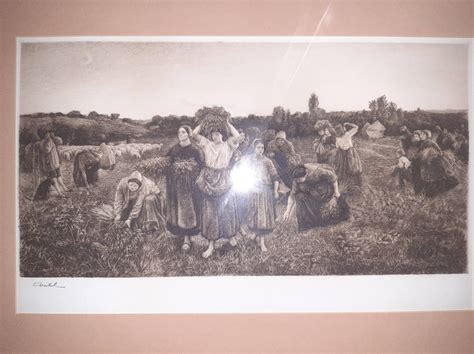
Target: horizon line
(447, 110)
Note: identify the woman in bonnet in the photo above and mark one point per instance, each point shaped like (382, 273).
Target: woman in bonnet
(139, 203)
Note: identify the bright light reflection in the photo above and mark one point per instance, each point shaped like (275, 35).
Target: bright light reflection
(244, 178)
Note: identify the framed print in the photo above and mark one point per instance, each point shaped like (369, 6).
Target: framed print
(216, 175)
(219, 181)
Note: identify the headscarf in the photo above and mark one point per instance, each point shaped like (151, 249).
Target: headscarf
(299, 171)
(281, 134)
(256, 142)
(188, 130)
(135, 177)
(427, 133)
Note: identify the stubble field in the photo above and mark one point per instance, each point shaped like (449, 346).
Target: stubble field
(390, 232)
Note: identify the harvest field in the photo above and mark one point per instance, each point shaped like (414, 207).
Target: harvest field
(390, 231)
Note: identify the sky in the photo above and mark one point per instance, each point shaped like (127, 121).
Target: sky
(143, 79)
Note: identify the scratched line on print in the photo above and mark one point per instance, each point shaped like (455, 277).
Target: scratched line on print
(242, 159)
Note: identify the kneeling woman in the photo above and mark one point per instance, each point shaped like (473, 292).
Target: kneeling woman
(315, 197)
(139, 203)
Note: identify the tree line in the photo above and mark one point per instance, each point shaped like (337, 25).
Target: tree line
(295, 124)
(300, 124)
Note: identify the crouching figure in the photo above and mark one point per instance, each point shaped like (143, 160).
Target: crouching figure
(138, 202)
(315, 197)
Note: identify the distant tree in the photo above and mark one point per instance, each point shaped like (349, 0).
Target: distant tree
(279, 115)
(75, 114)
(392, 107)
(382, 107)
(156, 119)
(383, 110)
(400, 113)
(313, 104)
(92, 115)
(278, 120)
(373, 108)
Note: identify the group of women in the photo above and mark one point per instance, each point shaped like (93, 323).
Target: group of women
(211, 193)
(221, 183)
(431, 171)
(421, 159)
(334, 146)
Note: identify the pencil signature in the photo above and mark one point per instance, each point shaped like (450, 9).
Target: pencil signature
(40, 284)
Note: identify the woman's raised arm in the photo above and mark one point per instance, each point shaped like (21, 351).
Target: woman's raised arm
(353, 130)
(200, 139)
(197, 130)
(234, 134)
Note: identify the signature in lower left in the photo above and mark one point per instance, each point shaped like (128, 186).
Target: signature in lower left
(48, 285)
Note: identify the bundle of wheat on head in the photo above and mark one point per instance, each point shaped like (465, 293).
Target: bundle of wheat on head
(213, 119)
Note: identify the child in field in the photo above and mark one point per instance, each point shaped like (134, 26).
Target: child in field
(402, 169)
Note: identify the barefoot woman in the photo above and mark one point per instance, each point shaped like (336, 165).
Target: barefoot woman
(218, 209)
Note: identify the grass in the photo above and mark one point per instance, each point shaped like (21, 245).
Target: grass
(390, 232)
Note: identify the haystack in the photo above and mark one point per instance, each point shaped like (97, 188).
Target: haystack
(375, 130)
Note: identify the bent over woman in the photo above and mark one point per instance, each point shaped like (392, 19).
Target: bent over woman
(315, 197)
(139, 203)
(86, 168)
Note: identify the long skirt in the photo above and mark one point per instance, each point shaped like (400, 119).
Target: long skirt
(242, 202)
(318, 208)
(324, 153)
(432, 189)
(347, 165)
(432, 175)
(182, 204)
(218, 209)
(151, 216)
(262, 213)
